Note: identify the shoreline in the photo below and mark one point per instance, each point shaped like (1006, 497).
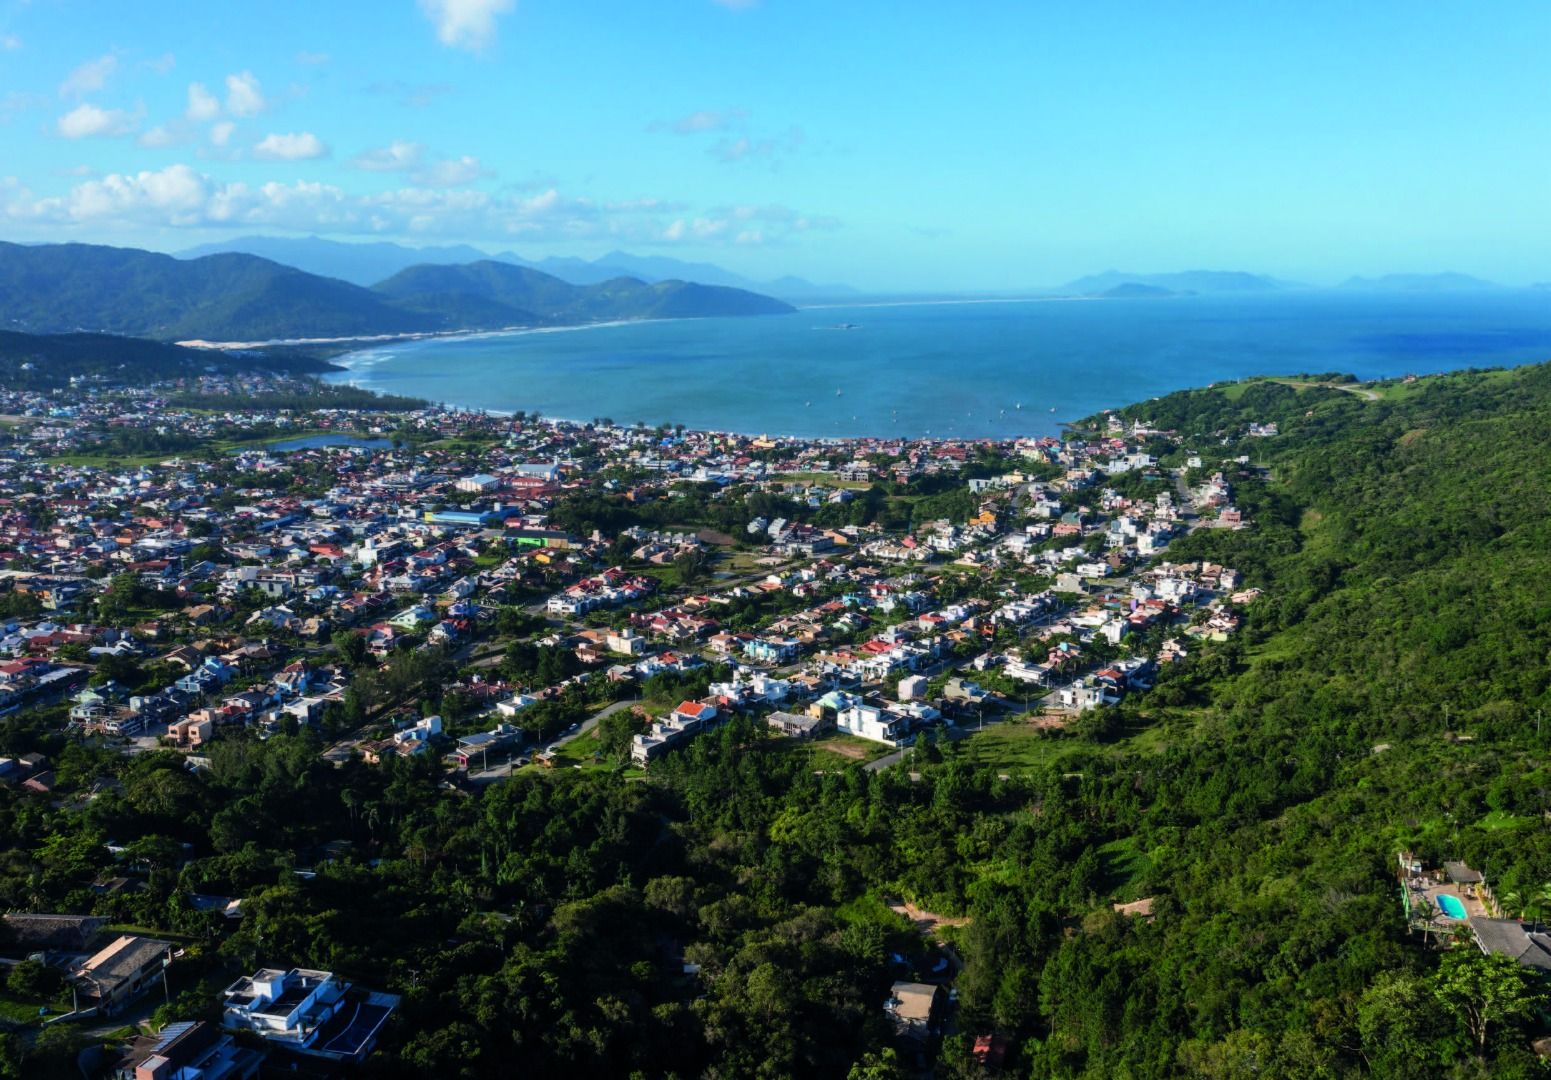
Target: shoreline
(513, 331)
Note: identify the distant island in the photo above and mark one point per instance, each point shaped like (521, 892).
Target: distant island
(1135, 290)
(58, 288)
(1186, 281)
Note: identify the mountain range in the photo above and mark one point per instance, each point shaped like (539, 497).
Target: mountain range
(55, 288)
(368, 263)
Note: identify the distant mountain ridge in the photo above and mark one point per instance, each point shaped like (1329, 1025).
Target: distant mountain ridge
(59, 288)
(1196, 281)
(369, 263)
(496, 292)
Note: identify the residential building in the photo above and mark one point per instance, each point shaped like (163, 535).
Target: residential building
(308, 1012)
(113, 977)
(188, 1050)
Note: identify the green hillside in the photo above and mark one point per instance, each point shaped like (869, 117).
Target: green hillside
(516, 294)
(62, 288)
(57, 288)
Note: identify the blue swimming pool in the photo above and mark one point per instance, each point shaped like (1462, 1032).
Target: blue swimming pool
(1451, 906)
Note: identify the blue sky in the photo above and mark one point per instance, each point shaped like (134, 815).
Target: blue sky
(892, 145)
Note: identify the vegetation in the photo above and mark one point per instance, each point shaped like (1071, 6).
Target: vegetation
(726, 916)
(41, 361)
(236, 297)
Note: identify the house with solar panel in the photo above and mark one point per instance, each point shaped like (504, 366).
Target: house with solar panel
(308, 1012)
(188, 1050)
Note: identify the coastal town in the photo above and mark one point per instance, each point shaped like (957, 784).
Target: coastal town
(496, 594)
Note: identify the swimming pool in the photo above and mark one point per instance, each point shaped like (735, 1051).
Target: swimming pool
(1451, 906)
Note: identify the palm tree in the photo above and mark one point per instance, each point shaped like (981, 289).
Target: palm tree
(1542, 899)
(1425, 911)
(1511, 901)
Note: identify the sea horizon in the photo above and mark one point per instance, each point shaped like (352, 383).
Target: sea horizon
(939, 369)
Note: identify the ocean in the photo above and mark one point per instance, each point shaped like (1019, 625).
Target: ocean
(952, 370)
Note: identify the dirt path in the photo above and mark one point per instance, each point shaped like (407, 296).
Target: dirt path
(1351, 388)
(925, 920)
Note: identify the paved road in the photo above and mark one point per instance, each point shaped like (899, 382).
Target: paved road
(592, 721)
(502, 769)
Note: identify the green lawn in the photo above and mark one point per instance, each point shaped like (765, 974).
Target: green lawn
(26, 1012)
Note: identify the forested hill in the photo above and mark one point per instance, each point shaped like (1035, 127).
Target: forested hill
(726, 917)
(57, 288)
(497, 293)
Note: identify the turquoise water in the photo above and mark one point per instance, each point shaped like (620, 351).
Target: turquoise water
(1451, 906)
(952, 370)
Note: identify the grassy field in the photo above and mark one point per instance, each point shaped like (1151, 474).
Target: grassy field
(1014, 744)
(842, 751)
(823, 479)
(583, 753)
(1010, 745)
(1399, 389)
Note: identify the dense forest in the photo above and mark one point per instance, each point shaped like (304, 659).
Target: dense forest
(727, 917)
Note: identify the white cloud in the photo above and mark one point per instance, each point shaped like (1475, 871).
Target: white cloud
(708, 120)
(180, 196)
(163, 63)
(243, 96)
(202, 104)
(221, 134)
(466, 24)
(176, 195)
(86, 120)
(769, 149)
(89, 77)
(410, 158)
(294, 146)
(160, 136)
(10, 42)
(312, 59)
(451, 172)
(394, 157)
